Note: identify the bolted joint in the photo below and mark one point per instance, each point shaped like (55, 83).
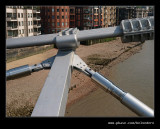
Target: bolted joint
(67, 39)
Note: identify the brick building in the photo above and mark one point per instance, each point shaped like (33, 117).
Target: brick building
(54, 18)
(72, 17)
(88, 17)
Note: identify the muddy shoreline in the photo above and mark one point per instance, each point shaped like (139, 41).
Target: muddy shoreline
(22, 93)
(81, 85)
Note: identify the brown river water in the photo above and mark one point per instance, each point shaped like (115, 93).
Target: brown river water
(135, 76)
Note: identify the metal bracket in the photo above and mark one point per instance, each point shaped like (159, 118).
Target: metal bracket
(48, 62)
(67, 39)
(80, 65)
(26, 70)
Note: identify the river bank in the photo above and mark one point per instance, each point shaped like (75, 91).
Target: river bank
(22, 93)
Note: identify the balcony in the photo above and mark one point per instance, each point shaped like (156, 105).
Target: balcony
(95, 13)
(12, 27)
(37, 25)
(37, 33)
(11, 18)
(36, 18)
(86, 11)
(87, 24)
(86, 18)
(36, 11)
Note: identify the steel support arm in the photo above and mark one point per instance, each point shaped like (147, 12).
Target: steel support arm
(27, 70)
(30, 41)
(53, 97)
(51, 38)
(99, 33)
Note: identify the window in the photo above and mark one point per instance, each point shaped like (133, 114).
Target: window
(32, 30)
(18, 15)
(31, 22)
(57, 23)
(34, 22)
(22, 31)
(48, 16)
(62, 10)
(62, 17)
(9, 14)
(66, 16)
(57, 10)
(58, 30)
(52, 10)
(19, 23)
(66, 23)
(62, 23)
(53, 24)
(22, 23)
(66, 10)
(31, 15)
(29, 30)
(21, 15)
(28, 15)
(19, 31)
(57, 17)
(14, 15)
(10, 33)
(53, 30)
(52, 16)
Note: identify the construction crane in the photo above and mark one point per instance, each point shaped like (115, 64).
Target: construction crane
(53, 97)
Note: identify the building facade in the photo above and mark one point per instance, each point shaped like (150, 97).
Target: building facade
(109, 16)
(88, 17)
(125, 12)
(22, 22)
(72, 17)
(54, 18)
(142, 11)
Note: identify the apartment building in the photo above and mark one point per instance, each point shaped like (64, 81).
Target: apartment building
(97, 17)
(143, 11)
(54, 18)
(22, 22)
(125, 12)
(109, 16)
(88, 17)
